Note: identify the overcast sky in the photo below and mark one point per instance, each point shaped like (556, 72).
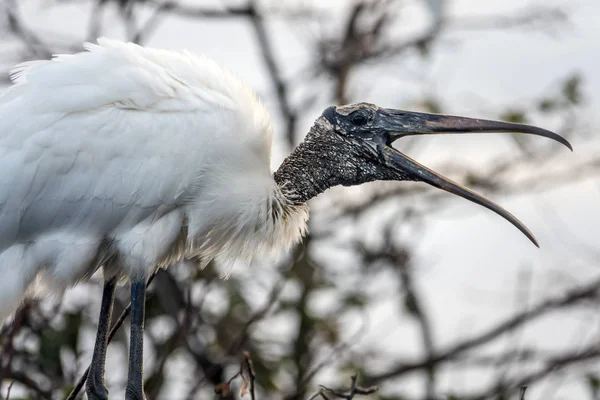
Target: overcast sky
(471, 259)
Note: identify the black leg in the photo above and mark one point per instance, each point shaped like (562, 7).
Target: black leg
(94, 387)
(135, 387)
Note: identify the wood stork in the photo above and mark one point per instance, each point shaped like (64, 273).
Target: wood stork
(128, 159)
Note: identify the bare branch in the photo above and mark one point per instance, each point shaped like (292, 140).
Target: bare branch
(569, 299)
(415, 305)
(26, 380)
(354, 390)
(522, 392)
(10, 385)
(281, 90)
(539, 16)
(33, 44)
(248, 376)
(188, 11)
(552, 366)
(248, 367)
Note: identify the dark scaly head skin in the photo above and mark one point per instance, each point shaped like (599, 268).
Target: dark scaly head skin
(332, 155)
(352, 144)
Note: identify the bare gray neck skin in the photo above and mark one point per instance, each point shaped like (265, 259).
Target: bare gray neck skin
(323, 160)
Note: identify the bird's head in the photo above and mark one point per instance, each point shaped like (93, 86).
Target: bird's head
(352, 144)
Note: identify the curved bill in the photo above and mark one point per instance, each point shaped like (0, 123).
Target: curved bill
(399, 123)
(404, 123)
(406, 165)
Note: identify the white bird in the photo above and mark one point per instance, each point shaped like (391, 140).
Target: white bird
(128, 159)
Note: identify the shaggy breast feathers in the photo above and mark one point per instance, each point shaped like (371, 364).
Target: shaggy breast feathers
(134, 147)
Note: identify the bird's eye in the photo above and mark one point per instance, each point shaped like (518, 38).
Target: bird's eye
(359, 119)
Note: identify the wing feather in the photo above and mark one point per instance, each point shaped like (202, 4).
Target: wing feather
(100, 140)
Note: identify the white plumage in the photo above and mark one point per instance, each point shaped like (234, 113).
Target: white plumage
(136, 153)
(129, 159)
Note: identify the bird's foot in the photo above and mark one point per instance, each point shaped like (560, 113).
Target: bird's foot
(95, 390)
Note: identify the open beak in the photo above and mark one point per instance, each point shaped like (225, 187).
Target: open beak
(398, 124)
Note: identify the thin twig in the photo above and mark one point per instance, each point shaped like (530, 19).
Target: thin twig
(553, 366)
(324, 391)
(183, 10)
(10, 385)
(522, 392)
(28, 38)
(246, 372)
(249, 367)
(281, 90)
(26, 380)
(334, 353)
(224, 389)
(412, 300)
(571, 298)
(259, 315)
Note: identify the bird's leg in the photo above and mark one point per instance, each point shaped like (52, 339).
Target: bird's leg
(94, 386)
(135, 387)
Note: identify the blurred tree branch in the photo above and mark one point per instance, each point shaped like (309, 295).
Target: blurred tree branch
(211, 336)
(327, 393)
(573, 297)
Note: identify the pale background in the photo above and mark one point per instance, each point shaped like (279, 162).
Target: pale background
(474, 269)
